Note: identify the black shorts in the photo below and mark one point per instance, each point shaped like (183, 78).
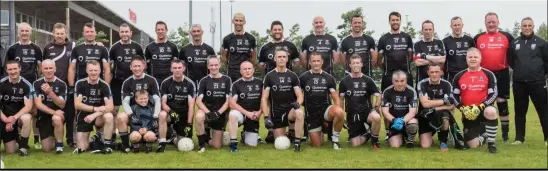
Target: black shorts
(424, 123)
(81, 125)
(392, 131)
(473, 129)
(9, 136)
(44, 123)
(503, 83)
(387, 81)
(280, 116)
(250, 125)
(218, 124)
(356, 123)
(116, 89)
(314, 116)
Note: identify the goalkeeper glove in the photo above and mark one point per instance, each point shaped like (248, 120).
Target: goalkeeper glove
(397, 123)
(188, 129)
(268, 123)
(295, 105)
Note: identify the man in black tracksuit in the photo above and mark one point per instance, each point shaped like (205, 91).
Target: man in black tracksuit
(529, 62)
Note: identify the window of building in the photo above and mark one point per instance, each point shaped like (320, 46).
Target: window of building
(4, 17)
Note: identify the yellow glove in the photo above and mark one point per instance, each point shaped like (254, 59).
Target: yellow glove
(473, 112)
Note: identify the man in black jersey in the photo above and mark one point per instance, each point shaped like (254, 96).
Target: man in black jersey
(358, 91)
(436, 100)
(50, 95)
(399, 106)
(428, 51)
(238, 47)
(60, 51)
(361, 44)
(160, 53)
(139, 80)
(266, 54)
(321, 42)
(120, 55)
(88, 51)
(195, 54)
(212, 101)
(15, 107)
(178, 93)
(456, 46)
(281, 89)
(246, 107)
(29, 55)
(319, 88)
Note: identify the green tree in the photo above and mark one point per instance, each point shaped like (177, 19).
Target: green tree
(179, 36)
(543, 31)
(260, 40)
(100, 37)
(408, 28)
(346, 26)
(294, 36)
(516, 30)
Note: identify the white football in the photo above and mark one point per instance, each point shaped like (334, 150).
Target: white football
(185, 144)
(226, 138)
(282, 143)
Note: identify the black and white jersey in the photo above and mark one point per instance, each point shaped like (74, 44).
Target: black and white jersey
(61, 54)
(13, 95)
(395, 48)
(178, 93)
(92, 94)
(29, 56)
(120, 55)
(423, 48)
(83, 53)
(132, 84)
(266, 54)
(317, 88)
(281, 87)
(325, 44)
(214, 91)
(362, 46)
(248, 93)
(159, 57)
(239, 49)
(456, 49)
(434, 91)
(399, 102)
(357, 93)
(196, 57)
(58, 86)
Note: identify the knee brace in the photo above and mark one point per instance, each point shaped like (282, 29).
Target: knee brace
(503, 108)
(412, 128)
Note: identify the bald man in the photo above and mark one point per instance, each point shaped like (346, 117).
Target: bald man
(50, 96)
(28, 55)
(246, 107)
(238, 47)
(327, 46)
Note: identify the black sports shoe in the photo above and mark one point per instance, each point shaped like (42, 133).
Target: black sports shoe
(59, 150)
(148, 149)
(270, 137)
(23, 152)
(492, 148)
(297, 147)
(78, 151)
(161, 148)
(410, 145)
(107, 150)
(136, 148)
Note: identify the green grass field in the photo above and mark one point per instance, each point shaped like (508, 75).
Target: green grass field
(532, 154)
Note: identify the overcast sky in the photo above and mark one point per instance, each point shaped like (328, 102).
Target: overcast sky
(260, 13)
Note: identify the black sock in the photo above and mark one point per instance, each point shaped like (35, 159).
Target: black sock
(24, 142)
(107, 143)
(113, 137)
(505, 128)
(443, 136)
(233, 140)
(202, 139)
(374, 138)
(297, 141)
(125, 139)
(36, 139)
(491, 127)
(208, 132)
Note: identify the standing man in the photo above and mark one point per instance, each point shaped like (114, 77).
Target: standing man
(93, 103)
(359, 43)
(60, 51)
(139, 80)
(358, 91)
(212, 101)
(50, 96)
(494, 46)
(238, 47)
(474, 90)
(319, 88)
(428, 51)
(178, 97)
(456, 46)
(266, 56)
(529, 62)
(29, 55)
(90, 50)
(196, 54)
(15, 107)
(120, 55)
(160, 53)
(246, 107)
(281, 89)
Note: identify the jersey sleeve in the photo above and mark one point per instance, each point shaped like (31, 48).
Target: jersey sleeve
(303, 79)
(266, 82)
(210, 51)
(381, 45)
(126, 89)
(447, 90)
(164, 88)
(456, 89)
(372, 87)
(62, 90)
(112, 52)
(148, 56)
(509, 50)
(412, 99)
(304, 45)
(421, 89)
(409, 43)
(491, 88)
(262, 54)
(331, 84)
(419, 54)
(252, 42)
(155, 90)
(202, 87)
(344, 46)
(74, 55)
(371, 42)
(104, 55)
(471, 42)
(441, 46)
(234, 90)
(294, 55)
(107, 92)
(334, 44)
(140, 51)
(28, 91)
(192, 89)
(38, 90)
(296, 83)
(174, 51)
(386, 99)
(342, 88)
(228, 89)
(38, 55)
(226, 42)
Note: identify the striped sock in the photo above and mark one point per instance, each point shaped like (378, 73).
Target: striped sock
(481, 139)
(491, 127)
